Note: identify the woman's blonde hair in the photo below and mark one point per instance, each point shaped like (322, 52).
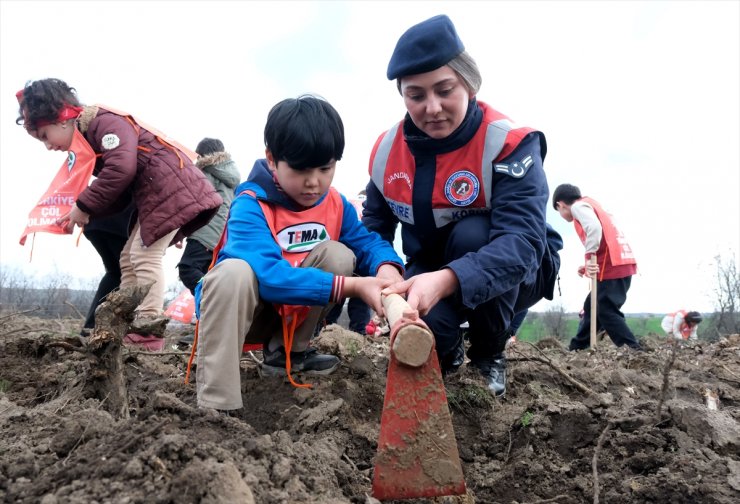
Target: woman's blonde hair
(465, 67)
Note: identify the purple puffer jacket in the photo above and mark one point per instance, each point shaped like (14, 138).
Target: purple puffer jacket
(167, 196)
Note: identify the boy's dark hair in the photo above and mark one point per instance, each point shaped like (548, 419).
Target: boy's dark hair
(209, 146)
(43, 100)
(566, 193)
(305, 132)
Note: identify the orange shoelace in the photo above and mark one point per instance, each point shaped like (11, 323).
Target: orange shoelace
(288, 335)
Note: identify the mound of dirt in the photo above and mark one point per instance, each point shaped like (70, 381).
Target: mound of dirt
(609, 422)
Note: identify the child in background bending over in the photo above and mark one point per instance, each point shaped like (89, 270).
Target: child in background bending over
(172, 197)
(682, 324)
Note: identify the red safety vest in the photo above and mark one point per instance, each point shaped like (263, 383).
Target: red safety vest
(72, 178)
(616, 246)
(685, 329)
(464, 177)
(163, 139)
(298, 233)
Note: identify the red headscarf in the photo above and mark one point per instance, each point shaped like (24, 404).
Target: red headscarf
(68, 112)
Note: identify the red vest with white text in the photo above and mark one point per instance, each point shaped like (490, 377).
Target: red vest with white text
(298, 233)
(464, 177)
(614, 250)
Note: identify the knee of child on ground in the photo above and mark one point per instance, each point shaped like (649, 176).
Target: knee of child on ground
(333, 257)
(228, 301)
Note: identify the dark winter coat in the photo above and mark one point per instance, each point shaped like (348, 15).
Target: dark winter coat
(168, 190)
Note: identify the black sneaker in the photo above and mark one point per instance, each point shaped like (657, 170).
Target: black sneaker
(493, 370)
(310, 362)
(187, 340)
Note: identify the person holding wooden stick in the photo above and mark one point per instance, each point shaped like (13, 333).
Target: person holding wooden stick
(614, 267)
(468, 188)
(288, 253)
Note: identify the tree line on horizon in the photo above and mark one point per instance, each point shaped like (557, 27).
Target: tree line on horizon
(52, 297)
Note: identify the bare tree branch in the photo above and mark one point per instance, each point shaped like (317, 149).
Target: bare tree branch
(75, 309)
(546, 360)
(595, 461)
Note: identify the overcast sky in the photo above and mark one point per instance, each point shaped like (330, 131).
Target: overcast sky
(639, 102)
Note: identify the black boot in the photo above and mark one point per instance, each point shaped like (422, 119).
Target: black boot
(455, 358)
(493, 370)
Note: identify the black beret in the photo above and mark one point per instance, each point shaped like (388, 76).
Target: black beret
(425, 47)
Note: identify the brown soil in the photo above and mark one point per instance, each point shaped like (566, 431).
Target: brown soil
(317, 445)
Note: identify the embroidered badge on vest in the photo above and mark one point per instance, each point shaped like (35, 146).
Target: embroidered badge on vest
(462, 188)
(110, 141)
(517, 169)
(302, 237)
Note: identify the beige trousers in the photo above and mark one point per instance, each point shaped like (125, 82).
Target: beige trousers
(142, 265)
(231, 312)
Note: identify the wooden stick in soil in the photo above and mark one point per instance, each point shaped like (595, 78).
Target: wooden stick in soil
(594, 305)
(666, 373)
(106, 377)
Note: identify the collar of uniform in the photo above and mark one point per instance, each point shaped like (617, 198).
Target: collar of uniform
(420, 143)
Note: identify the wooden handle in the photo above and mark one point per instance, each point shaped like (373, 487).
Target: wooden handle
(594, 304)
(412, 341)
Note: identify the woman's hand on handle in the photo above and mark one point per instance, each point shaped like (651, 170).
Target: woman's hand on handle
(427, 289)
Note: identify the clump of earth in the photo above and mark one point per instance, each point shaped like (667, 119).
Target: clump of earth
(614, 424)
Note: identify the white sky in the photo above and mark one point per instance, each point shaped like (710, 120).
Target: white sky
(639, 102)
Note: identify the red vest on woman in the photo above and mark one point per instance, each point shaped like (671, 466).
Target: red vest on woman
(464, 177)
(615, 257)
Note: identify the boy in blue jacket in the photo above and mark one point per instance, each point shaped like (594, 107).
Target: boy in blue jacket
(287, 255)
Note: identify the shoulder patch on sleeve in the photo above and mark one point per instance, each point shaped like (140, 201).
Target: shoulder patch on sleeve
(517, 169)
(110, 141)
